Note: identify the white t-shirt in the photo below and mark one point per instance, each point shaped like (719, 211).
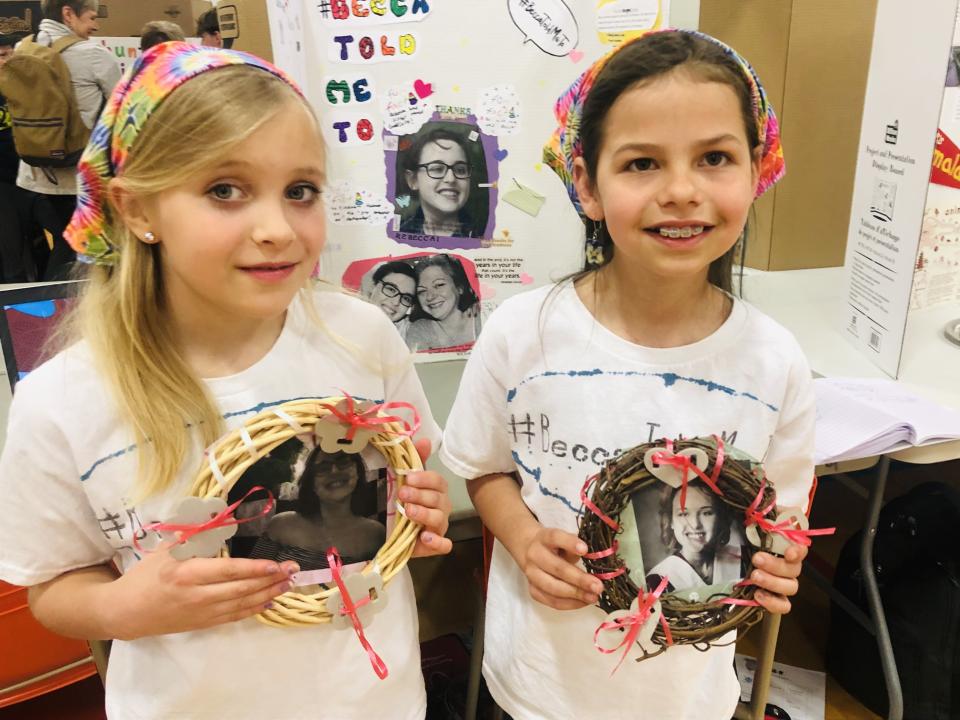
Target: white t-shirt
(69, 464)
(550, 394)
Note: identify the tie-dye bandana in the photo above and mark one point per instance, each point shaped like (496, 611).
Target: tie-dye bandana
(564, 145)
(151, 79)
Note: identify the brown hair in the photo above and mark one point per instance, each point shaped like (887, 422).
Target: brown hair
(53, 9)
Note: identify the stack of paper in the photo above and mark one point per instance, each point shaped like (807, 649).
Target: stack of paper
(859, 418)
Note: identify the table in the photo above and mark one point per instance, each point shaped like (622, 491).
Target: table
(810, 304)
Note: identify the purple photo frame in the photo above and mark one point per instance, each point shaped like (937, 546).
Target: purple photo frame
(491, 158)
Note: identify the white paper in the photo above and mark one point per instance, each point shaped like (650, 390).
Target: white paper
(864, 417)
(802, 693)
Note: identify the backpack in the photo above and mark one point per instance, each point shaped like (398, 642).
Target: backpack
(47, 128)
(917, 564)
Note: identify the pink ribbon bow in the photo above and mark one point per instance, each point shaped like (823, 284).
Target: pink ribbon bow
(633, 623)
(685, 464)
(370, 419)
(224, 518)
(350, 608)
(758, 517)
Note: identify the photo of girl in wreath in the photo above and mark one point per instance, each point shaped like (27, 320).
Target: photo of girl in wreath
(336, 501)
(697, 547)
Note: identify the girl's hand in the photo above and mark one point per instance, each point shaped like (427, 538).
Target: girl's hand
(776, 578)
(162, 595)
(551, 568)
(425, 500)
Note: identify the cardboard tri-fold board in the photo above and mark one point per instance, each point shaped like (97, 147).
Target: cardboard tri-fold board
(123, 18)
(244, 25)
(812, 57)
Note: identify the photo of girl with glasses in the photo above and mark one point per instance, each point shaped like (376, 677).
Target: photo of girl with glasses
(439, 171)
(391, 286)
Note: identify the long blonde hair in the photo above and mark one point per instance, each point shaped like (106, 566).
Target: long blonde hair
(122, 313)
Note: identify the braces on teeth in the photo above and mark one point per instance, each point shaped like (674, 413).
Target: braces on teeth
(683, 232)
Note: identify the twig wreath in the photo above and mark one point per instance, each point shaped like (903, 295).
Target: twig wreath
(654, 619)
(337, 424)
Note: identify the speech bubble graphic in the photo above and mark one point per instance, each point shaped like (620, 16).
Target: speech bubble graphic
(548, 24)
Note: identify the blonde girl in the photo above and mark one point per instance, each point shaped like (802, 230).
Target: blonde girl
(201, 219)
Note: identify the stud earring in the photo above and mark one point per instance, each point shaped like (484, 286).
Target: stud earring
(149, 237)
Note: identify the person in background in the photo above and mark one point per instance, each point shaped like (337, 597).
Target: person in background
(158, 31)
(94, 71)
(12, 246)
(208, 29)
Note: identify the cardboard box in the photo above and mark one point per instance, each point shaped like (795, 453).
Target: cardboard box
(244, 25)
(812, 57)
(124, 18)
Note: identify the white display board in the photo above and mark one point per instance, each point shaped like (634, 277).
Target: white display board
(387, 76)
(911, 46)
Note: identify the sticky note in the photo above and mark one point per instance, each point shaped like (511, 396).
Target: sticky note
(525, 199)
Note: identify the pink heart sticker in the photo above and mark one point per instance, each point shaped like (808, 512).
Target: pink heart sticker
(423, 89)
(575, 55)
(525, 279)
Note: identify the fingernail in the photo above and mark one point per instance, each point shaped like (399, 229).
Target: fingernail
(404, 494)
(759, 560)
(268, 606)
(593, 599)
(582, 548)
(756, 575)
(293, 570)
(427, 537)
(273, 569)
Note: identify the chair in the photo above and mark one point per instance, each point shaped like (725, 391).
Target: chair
(44, 661)
(752, 710)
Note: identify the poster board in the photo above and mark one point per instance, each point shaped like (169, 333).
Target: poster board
(476, 84)
(905, 92)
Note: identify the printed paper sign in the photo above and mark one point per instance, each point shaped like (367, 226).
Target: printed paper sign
(621, 20)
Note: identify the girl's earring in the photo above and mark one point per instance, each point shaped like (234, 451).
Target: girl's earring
(594, 248)
(149, 237)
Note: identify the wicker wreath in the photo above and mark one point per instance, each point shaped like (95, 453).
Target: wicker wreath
(227, 461)
(739, 484)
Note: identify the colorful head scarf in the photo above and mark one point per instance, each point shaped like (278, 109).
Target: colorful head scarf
(564, 145)
(151, 79)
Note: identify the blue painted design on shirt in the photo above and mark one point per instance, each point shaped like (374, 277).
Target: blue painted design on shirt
(536, 473)
(249, 411)
(669, 380)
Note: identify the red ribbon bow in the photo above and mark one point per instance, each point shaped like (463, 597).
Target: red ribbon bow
(758, 517)
(224, 518)
(684, 463)
(349, 608)
(370, 419)
(633, 623)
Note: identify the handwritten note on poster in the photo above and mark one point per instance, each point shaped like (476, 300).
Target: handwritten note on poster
(548, 24)
(407, 107)
(498, 110)
(349, 205)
